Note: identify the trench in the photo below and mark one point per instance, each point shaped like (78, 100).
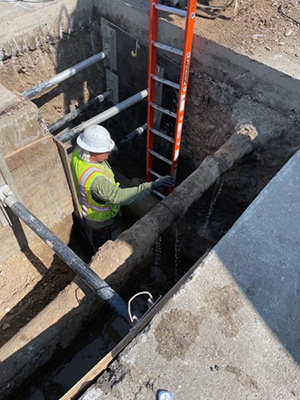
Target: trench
(208, 124)
(204, 225)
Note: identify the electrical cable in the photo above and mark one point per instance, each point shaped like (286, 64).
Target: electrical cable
(133, 318)
(285, 4)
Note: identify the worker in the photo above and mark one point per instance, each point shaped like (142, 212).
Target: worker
(99, 195)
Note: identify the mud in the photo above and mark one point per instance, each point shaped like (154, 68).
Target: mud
(175, 333)
(96, 339)
(225, 302)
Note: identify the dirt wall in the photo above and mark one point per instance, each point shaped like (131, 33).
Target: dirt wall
(51, 49)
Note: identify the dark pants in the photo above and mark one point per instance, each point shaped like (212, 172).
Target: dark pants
(98, 235)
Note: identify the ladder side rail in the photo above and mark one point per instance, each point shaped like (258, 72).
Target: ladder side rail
(152, 56)
(184, 76)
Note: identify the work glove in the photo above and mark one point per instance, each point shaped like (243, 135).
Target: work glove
(164, 181)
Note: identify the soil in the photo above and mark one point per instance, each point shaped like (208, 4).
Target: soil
(258, 29)
(31, 279)
(50, 58)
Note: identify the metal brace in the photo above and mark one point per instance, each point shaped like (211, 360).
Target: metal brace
(109, 46)
(112, 84)
(4, 193)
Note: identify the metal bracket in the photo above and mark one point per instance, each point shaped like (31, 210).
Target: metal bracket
(112, 84)
(109, 45)
(4, 192)
(8, 187)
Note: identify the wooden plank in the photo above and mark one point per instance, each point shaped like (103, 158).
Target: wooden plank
(87, 380)
(39, 178)
(7, 176)
(67, 168)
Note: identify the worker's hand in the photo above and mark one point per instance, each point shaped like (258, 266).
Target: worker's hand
(164, 181)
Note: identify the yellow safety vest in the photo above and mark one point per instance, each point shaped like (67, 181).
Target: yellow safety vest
(84, 173)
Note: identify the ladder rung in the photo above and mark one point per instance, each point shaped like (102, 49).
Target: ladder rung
(165, 81)
(163, 110)
(160, 157)
(162, 135)
(158, 194)
(165, 47)
(154, 173)
(170, 10)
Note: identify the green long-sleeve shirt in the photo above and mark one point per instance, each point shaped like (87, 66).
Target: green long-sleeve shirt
(104, 191)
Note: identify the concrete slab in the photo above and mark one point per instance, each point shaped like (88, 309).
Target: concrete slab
(233, 330)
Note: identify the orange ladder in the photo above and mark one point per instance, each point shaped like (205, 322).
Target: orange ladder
(190, 14)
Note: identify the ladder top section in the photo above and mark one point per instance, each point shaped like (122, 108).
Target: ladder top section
(170, 10)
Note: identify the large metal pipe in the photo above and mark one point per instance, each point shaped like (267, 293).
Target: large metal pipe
(74, 114)
(104, 116)
(62, 76)
(102, 289)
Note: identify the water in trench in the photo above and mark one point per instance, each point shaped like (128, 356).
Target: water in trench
(96, 339)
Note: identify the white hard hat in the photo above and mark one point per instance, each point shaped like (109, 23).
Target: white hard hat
(95, 139)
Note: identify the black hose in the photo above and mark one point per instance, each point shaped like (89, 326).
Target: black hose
(74, 114)
(102, 289)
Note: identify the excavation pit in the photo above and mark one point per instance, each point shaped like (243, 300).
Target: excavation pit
(219, 99)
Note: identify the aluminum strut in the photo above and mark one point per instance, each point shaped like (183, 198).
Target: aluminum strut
(62, 76)
(104, 116)
(181, 86)
(74, 114)
(102, 289)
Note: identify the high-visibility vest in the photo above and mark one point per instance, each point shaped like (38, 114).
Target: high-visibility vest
(84, 173)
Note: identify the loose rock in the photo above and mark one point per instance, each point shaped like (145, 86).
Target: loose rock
(288, 32)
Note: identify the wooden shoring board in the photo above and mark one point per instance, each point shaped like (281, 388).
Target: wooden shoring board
(62, 149)
(89, 378)
(7, 176)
